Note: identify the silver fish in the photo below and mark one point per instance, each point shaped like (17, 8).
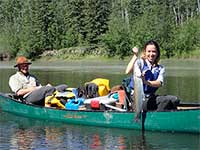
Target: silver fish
(138, 93)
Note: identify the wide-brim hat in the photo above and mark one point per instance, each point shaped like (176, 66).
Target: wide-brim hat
(22, 60)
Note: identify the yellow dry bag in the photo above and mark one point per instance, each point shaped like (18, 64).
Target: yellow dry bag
(103, 86)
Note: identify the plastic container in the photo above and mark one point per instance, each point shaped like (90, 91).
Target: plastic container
(73, 104)
(94, 104)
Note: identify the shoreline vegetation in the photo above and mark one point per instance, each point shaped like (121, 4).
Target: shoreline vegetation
(99, 61)
(86, 53)
(71, 54)
(96, 58)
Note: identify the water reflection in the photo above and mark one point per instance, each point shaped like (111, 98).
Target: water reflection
(96, 142)
(22, 139)
(23, 133)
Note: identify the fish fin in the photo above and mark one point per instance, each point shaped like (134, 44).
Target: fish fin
(137, 117)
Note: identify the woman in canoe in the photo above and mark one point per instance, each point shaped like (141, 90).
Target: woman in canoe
(27, 86)
(152, 74)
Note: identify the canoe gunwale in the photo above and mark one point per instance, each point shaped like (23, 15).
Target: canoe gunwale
(192, 106)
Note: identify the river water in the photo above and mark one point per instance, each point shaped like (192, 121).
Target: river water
(17, 133)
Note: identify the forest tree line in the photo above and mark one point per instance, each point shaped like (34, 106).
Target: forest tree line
(98, 27)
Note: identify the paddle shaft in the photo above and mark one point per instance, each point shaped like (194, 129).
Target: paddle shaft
(113, 107)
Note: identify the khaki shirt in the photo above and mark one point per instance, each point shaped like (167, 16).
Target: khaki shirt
(20, 81)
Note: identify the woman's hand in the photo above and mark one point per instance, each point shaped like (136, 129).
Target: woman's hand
(144, 80)
(147, 82)
(155, 83)
(135, 50)
(131, 63)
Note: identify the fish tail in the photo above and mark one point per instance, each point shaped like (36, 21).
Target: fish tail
(138, 116)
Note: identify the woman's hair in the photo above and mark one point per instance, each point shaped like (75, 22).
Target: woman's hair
(151, 42)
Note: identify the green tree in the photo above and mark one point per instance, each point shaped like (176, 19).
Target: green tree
(117, 39)
(31, 27)
(75, 22)
(96, 17)
(187, 37)
(11, 24)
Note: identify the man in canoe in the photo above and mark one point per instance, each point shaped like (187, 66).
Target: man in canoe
(28, 87)
(152, 74)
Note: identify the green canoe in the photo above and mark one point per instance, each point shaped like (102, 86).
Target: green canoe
(183, 120)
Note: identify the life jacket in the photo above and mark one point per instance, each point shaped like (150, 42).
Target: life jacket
(60, 98)
(68, 94)
(149, 76)
(54, 102)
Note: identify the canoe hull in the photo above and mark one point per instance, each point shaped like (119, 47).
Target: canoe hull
(177, 121)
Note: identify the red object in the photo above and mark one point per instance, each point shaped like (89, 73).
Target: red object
(94, 104)
(121, 94)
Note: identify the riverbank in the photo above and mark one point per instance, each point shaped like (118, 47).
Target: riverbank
(102, 64)
(97, 60)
